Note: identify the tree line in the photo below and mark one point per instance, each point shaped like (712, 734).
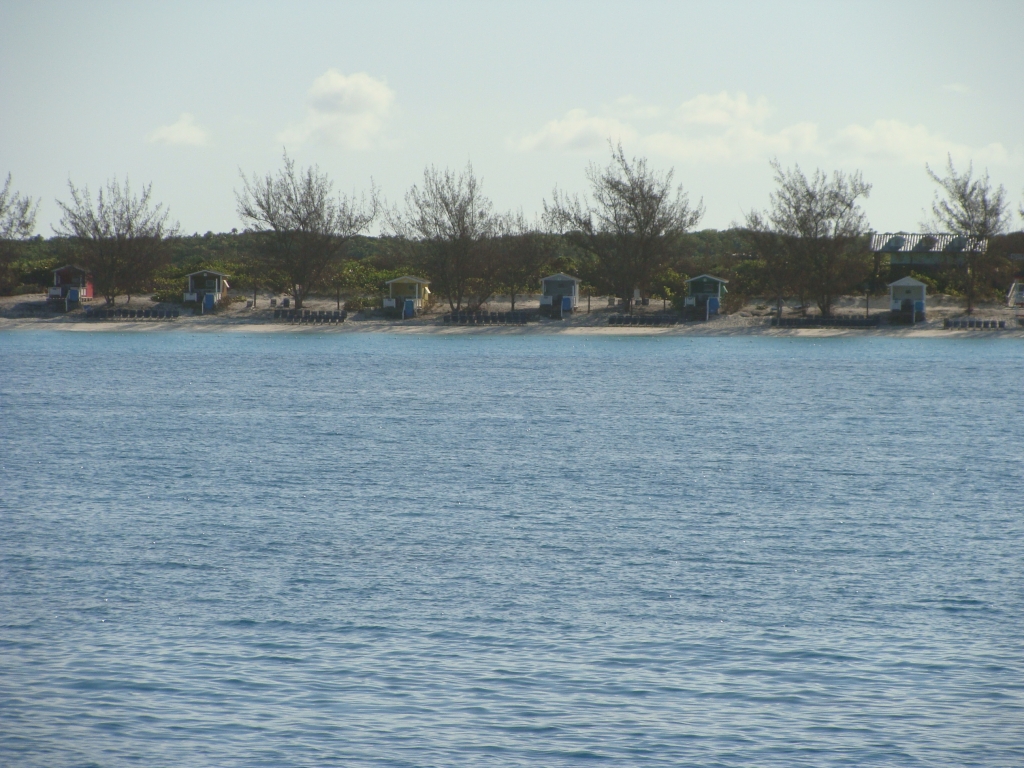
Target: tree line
(635, 230)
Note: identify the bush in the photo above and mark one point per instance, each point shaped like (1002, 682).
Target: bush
(732, 302)
(357, 303)
(168, 296)
(933, 285)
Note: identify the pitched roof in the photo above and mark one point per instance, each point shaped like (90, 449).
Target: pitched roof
(408, 279)
(207, 272)
(561, 276)
(710, 277)
(908, 281)
(71, 266)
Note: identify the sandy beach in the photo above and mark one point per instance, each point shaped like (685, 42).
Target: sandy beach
(751, 320)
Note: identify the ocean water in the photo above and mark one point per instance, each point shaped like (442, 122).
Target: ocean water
(521, 550)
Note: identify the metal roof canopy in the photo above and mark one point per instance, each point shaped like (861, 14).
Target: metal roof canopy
(902, 242)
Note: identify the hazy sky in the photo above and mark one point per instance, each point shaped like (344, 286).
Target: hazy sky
(184, 95)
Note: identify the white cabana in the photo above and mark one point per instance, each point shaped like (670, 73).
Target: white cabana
(907, 297)
(561, 284)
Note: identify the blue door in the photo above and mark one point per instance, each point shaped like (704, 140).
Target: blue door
(567, 303)
(410, 308)
(208, 300)
(712, 306)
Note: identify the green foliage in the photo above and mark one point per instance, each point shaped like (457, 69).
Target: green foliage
(669, 284)
(357, 303)
(932, 284)
(361, 278)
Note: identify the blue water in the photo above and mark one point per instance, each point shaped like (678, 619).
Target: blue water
(359, 549)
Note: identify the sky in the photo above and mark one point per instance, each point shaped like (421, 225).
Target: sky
(188, 96)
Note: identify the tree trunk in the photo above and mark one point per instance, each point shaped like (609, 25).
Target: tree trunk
(969, 286)
(512, 294)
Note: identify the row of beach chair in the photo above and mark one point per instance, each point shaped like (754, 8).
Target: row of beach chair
(642, 320)
(970, 323)
(485, 318)
(310, 315)
(840, 321)
(131, 314)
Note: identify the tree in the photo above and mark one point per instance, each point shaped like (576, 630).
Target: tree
(305, 228)
(451, 221)
(972, 208)
(17, 223)
(523, 254)
(635, 218)
(818, 223)
(121, 240)
(777, 273)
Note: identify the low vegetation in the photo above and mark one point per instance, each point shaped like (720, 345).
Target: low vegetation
(635, 230)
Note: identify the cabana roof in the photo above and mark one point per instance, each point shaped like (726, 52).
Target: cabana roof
(908, 281)
(903, 242)
(708, 277)
(206, 272)
(71, 266)
(408, 279)
(561, 276)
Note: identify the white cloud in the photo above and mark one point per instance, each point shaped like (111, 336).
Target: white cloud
(576, 131)
(184, 132)
(723, 109)
(723, 128)
(914, 144)
(345, 110)
(631, 108)
(738, 143)
(707, 128)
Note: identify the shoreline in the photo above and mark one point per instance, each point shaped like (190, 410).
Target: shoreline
(714, 328)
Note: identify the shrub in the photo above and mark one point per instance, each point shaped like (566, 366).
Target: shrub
(732, 302)
(357, 303)
(168, 297)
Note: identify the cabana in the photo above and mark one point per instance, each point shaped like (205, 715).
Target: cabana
(207, 287)
(705, 291)
(907, 296)
(929, 251)
(560, 286)
(407, 293)
(71, 283)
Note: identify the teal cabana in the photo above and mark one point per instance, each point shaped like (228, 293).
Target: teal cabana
(705, 292)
